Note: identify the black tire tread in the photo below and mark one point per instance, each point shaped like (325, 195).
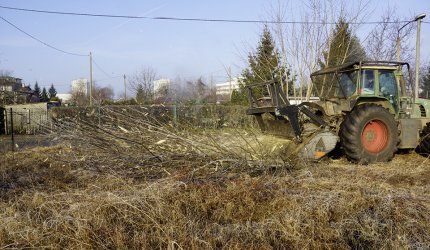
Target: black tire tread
(352, 128)
(424, 146)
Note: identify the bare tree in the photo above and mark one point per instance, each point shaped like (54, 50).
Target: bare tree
(425, 80)
(381, 44)
(302, 43)
(306, 41)
(5, 72)
(192, 90)
(143, 81)
(79, 98)
(177, 89)
(101, 94)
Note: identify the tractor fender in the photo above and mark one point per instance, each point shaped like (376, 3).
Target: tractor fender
(381, 101)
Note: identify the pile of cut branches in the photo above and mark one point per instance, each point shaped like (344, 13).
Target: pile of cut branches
(126, 180)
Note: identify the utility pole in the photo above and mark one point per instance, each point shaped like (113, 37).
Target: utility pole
(417, 49)
(125, 89)
(398, 46)
(11, 130)
(398, 39)
(91, 79)
(229, 78)
(417, 58)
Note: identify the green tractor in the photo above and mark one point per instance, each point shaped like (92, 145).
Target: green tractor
(362, 108)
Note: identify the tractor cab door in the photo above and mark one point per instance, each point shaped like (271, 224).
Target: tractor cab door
(368, 82)
(380, 83)
(388, 87)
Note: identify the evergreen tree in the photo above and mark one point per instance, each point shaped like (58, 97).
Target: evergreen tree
(37, 91)
(344, 47)
(262, 66)
(52, 91)
(140, 94)
(238, 97)
(44, 95)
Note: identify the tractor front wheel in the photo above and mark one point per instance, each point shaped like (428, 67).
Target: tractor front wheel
(369, 134)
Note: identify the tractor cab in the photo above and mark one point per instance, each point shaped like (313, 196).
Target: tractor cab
(363, 82)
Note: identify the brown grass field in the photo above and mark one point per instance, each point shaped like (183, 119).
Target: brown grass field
(134, 184)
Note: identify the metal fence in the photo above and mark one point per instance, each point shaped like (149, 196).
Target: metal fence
(28, 121)
(23, 126)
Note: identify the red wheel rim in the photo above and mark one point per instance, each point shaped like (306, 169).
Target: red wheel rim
(375, 136)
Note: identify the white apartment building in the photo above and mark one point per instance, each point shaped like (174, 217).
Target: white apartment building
(224, 89)
(161, 87)
(80, 86)
(65, 98)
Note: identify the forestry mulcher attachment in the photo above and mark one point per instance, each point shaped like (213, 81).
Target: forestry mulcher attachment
(362, 108)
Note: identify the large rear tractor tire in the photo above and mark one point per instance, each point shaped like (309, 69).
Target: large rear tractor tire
(369, 134)
(424, 146)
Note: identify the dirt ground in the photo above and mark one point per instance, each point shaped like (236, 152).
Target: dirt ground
(23, 141)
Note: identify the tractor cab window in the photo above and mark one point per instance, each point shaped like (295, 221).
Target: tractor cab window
(368, 82)
(388, 86)
(347, 81)
(335, 85)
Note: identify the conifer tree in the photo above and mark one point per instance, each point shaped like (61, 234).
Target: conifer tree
(140, 94)
(261, 67)
(344, 47)
(44, 95)
(52, 91)
(37, 90)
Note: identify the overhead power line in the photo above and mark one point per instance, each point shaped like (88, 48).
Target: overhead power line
(101, 69)
(108, 78)
(187, 19)
(40, 41)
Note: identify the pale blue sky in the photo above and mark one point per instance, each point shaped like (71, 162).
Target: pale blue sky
(122, 46)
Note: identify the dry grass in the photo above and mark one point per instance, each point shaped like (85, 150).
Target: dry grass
(149, 186)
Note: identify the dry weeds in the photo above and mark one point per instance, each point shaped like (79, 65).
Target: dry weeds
(134, 183)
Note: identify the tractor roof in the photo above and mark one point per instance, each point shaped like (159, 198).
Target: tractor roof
(354, 65)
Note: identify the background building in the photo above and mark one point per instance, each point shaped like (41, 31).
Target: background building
(14, 91)
(161, 88)
(224, 89)
(80, 86)
(8, 83)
